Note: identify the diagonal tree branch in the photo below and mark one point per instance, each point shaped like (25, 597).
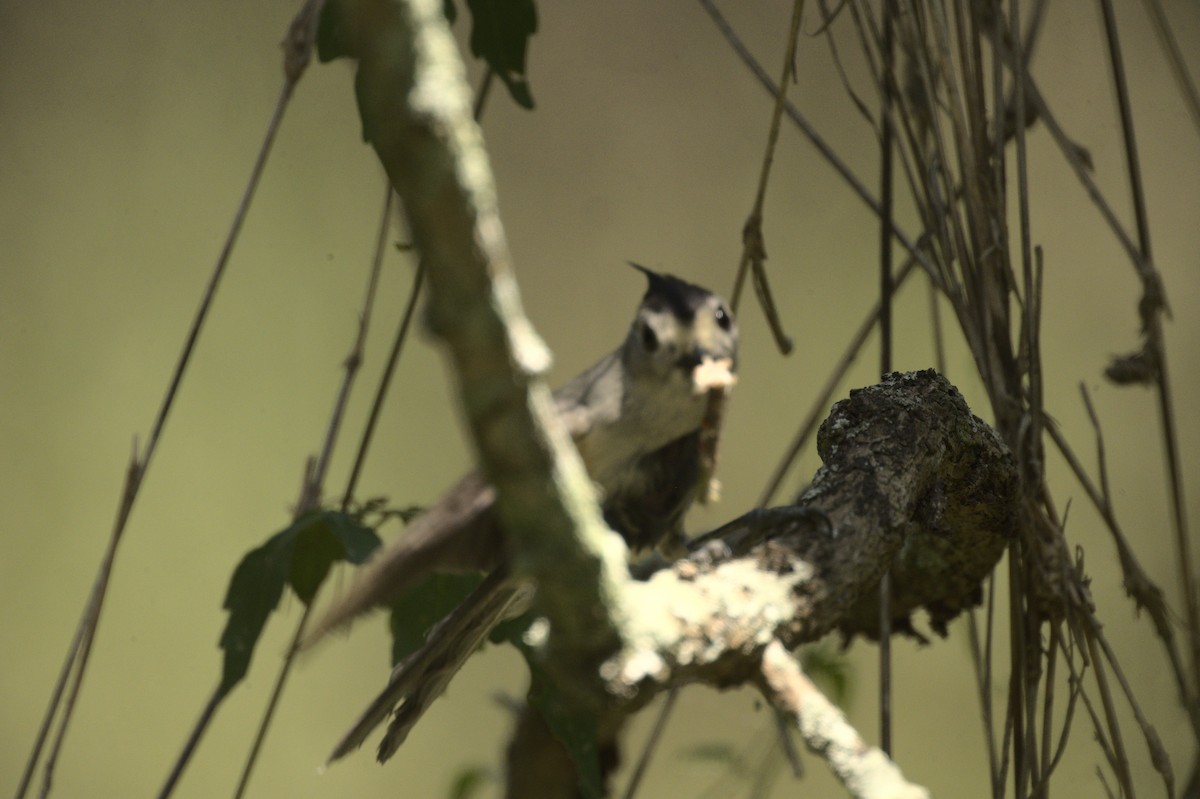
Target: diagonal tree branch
(416, 110)
(912, 481)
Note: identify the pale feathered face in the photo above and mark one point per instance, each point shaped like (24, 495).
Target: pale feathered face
(655, 388)
(683, 335)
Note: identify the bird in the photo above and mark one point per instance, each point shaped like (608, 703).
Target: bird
(638, 418)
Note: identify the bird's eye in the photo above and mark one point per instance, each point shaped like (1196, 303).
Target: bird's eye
(722, 317)
(649, 339)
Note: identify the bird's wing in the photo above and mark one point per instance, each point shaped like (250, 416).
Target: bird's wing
(457, 534)
(460, 533)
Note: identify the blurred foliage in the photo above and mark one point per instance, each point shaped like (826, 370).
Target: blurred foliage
(500, 32)
(574, 728)
(826, 663)
(470, 781)
(300, 555)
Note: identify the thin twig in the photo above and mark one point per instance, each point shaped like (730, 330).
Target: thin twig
(1151, 310)
(1117, 756)
(886, 289)
(312, 495)
(1077, 159)
(1074, 691)
(312, 489)
(903, 113)
(1158, 754)
(482, 94)
(660, 725)
(753, 248)
(1144, 591)
(1043, 778)
(1179, 69)
(839, 165)
(1017, 657)
(827, 28)
(820, 403)
(81, 642)
(983, 686)
(189, 747)
(1031, 321)
(80, 649)
(999, 771)
(385, 382)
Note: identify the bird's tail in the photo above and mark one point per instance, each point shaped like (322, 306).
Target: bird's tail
(423, 676)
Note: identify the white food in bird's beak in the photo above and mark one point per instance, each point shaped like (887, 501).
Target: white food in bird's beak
(713, 373)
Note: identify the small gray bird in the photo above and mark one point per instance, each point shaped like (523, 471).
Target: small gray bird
(638, 418)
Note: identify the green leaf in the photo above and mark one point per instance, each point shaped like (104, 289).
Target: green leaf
(313, 552)
(469, 781)
(437, 596)
(518, 89)
(254, 591)
(323, 538)
(331, 41)
(500, 31)
(424, 606)
(575, 729)
(300, 555)
(826, 665)
(358, 540)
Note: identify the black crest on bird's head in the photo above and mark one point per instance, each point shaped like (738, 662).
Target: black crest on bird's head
(668, 291)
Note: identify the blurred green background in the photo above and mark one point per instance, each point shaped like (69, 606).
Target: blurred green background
(128, 131)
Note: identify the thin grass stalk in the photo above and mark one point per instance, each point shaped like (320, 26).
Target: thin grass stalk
(1179, 68)
(974, 325)
(982, 685)
(820, 404)
(1074, 691)
(1033, 684)
(1071, 153)
(885, 353)
(1032, 462)
(989, 646)
(656, 733)
(314, 482)
(1120, 759)
(1016, 681)
(1158, 754)
(1152, 321)
(941, 188)
(971, 137)
(313, 488)
(753, 250)
(297, 46)
(312, 495)
(827, 29)
(911, 245)
(1041, 787)
(902, 112)
(1135, 576)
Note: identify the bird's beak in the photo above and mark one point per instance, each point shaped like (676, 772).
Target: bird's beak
(709, 373)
